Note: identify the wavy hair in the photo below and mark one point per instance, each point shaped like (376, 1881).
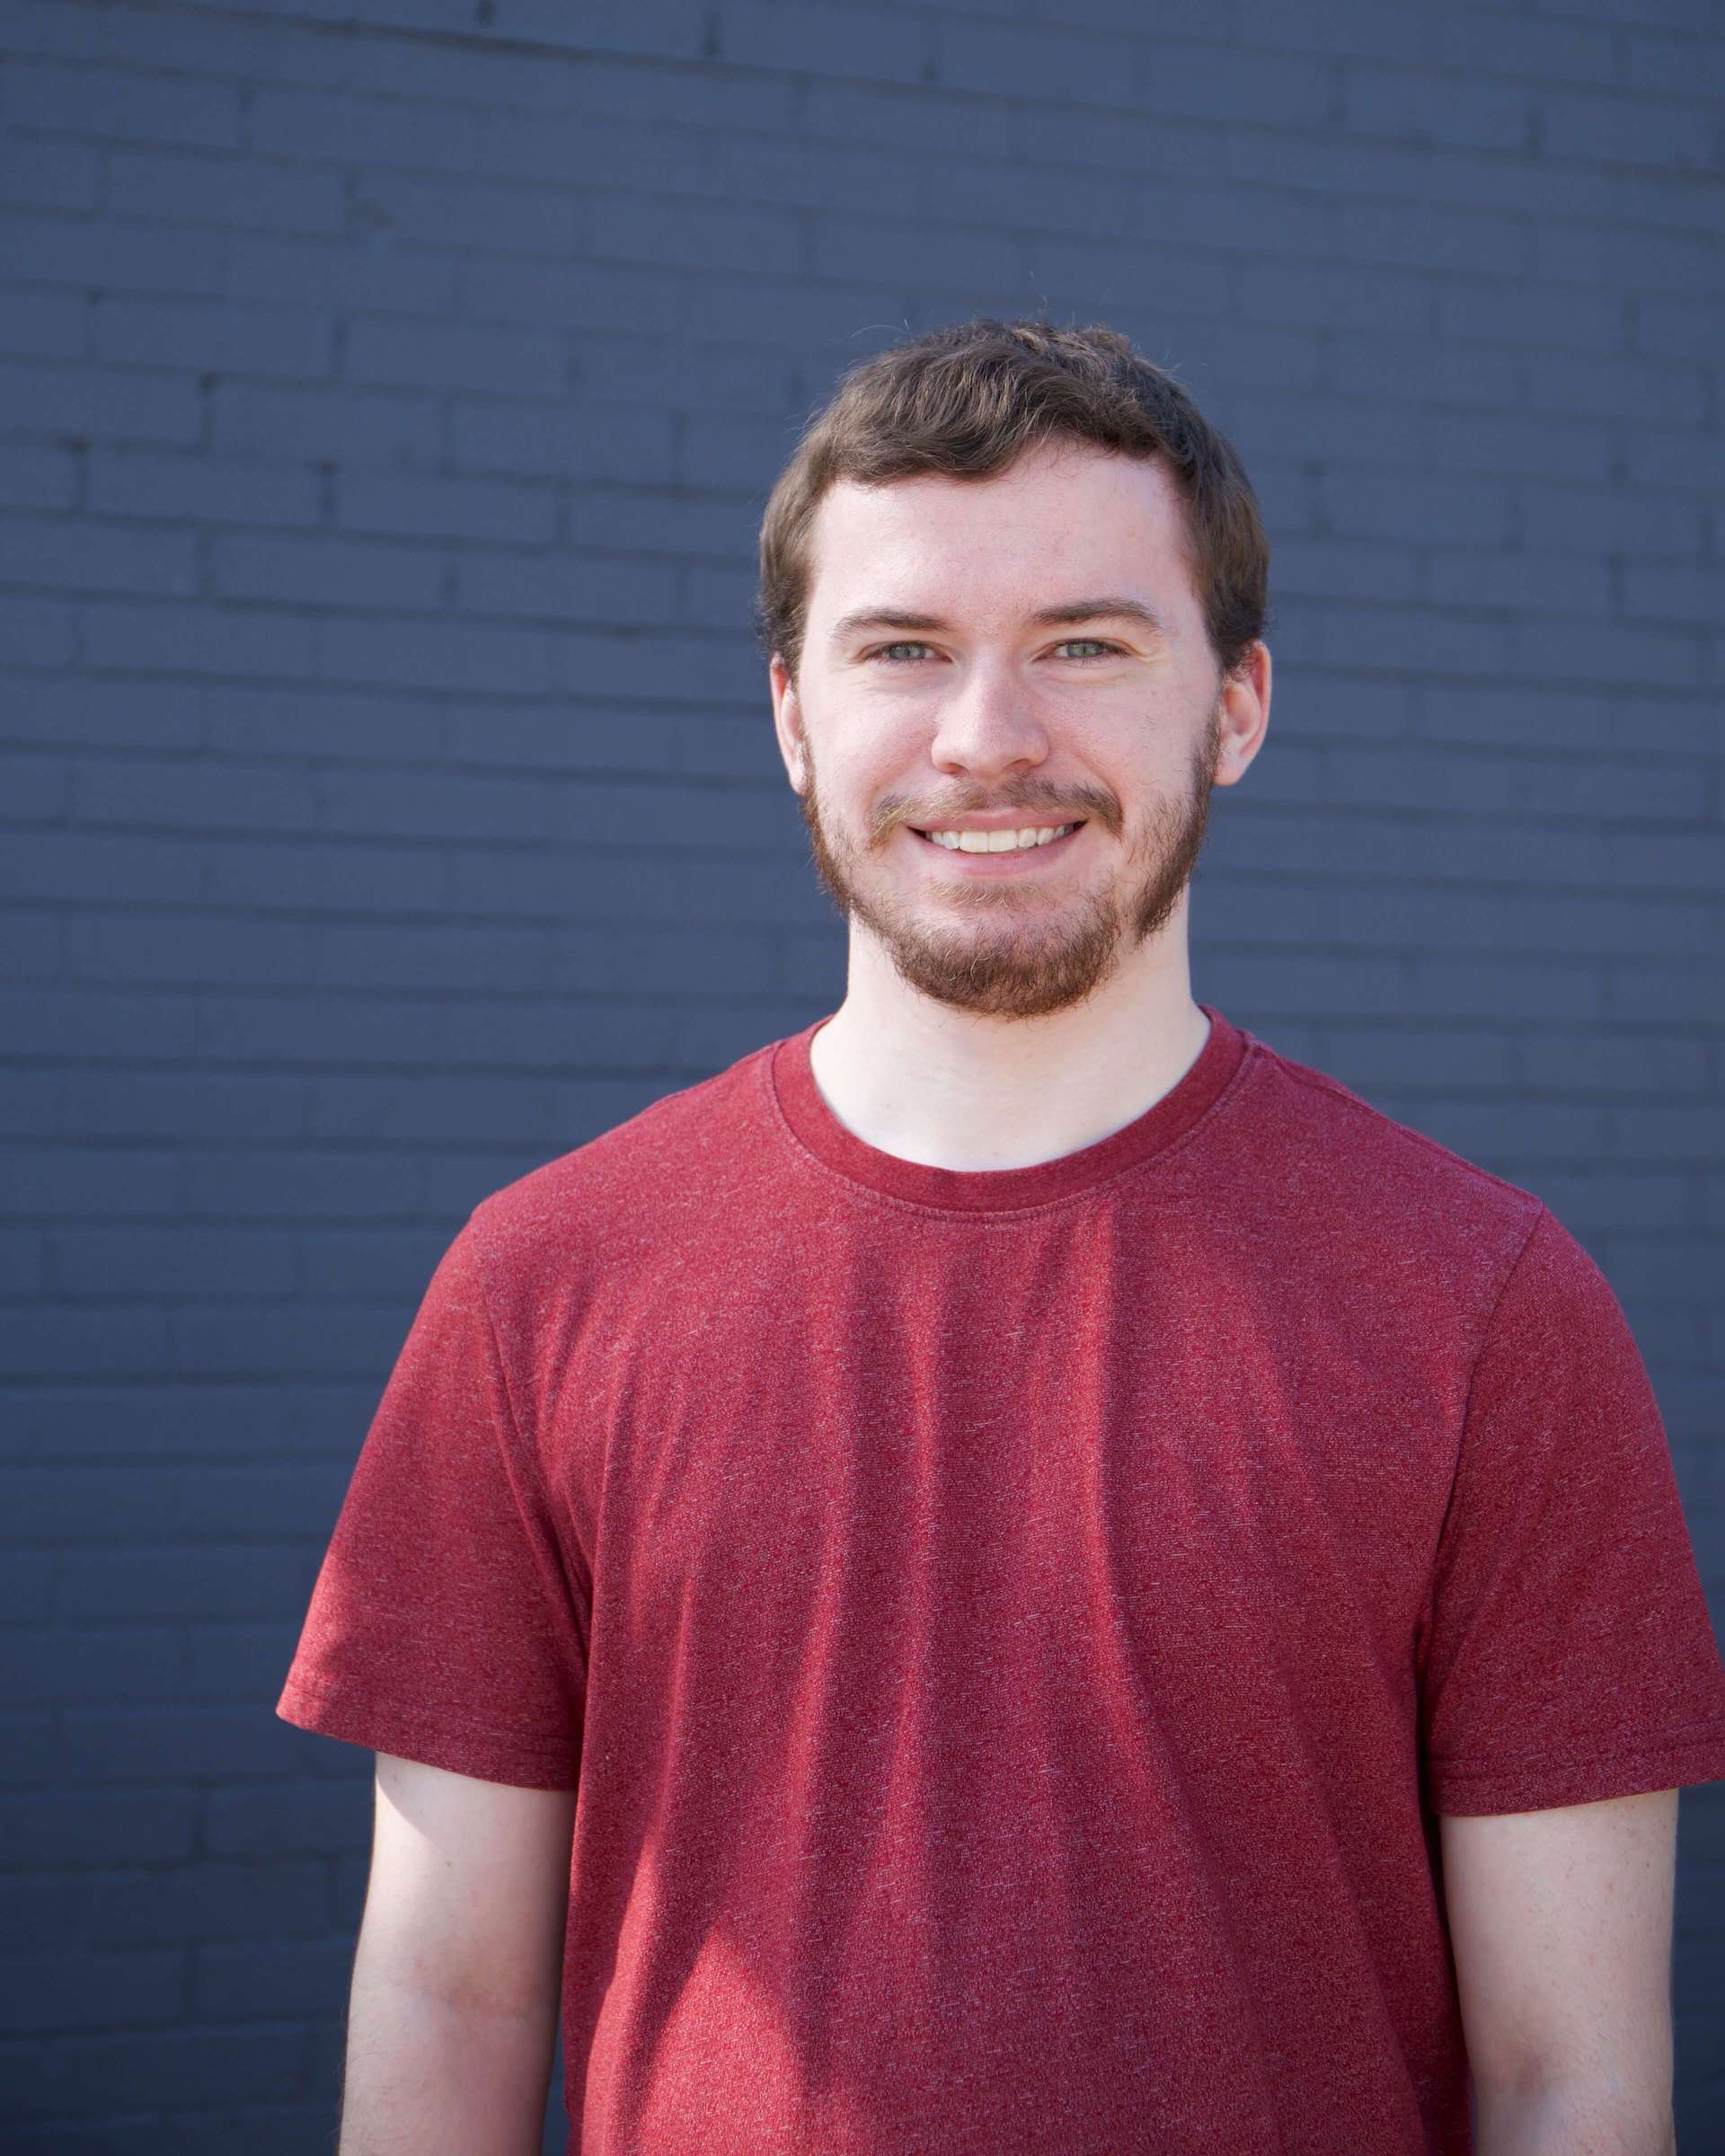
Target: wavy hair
(967, 399)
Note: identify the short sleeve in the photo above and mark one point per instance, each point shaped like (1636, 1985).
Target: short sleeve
(443, 1626)
(1567, 1652)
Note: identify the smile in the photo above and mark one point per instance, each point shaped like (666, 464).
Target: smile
(998, 842)
(1001, 852)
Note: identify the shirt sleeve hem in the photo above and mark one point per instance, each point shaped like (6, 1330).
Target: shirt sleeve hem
(1676, 1759)
(433, 1739)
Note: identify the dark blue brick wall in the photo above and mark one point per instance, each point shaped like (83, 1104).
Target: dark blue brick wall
(389, 390)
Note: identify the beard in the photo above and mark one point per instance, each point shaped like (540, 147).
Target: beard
(1000, 949)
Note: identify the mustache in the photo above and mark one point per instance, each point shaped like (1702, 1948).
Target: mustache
(1085, 807)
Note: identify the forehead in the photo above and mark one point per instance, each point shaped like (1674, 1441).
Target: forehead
(992, 550)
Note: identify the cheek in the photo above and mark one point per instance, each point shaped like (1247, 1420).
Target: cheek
(886, 761)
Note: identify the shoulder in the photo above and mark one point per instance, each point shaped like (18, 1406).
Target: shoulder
(1398, 1200)
(626, 1189)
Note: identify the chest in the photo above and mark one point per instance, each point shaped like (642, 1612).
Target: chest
(1159, 1447)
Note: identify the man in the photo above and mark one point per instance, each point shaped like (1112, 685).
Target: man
(1016, 1571)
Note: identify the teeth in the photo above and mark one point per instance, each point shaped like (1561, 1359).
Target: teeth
(998, 842)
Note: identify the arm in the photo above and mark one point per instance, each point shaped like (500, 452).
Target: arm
(452, 2022)
(1561, 1923)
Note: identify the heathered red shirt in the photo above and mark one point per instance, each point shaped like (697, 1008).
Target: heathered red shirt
(1012, 1631)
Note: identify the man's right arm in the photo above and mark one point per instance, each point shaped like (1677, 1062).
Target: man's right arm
(452, 2022)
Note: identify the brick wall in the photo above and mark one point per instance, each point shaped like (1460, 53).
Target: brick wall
(389, 390)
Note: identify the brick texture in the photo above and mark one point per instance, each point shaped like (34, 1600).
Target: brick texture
(389, 390)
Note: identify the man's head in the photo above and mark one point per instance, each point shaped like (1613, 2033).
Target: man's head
(922, 558)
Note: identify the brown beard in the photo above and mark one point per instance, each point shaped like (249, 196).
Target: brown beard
(1033, 967)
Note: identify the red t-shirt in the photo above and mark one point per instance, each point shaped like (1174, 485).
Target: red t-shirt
(1012, 1631)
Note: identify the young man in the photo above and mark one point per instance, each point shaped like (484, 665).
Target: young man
(1016, 1571)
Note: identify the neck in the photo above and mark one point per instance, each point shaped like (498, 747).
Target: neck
(948, 1089)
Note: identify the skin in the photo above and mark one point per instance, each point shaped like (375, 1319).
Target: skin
(1561, 1925)
(997, 1020)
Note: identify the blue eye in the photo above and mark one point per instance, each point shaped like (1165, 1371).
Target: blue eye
(1101, 650)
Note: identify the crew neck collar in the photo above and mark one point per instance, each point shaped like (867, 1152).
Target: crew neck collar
(813, 1125)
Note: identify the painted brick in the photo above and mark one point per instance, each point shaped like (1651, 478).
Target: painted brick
(597, 149)
(325, 571)
(445, 509)
(56, 97)
(75, 2078)
(35, 478)
(702, 235)
(37, 788)
(342, 427)
(154, 715)
(563, 441)
(567, 587)
(108, 254)
(367, 273)
(132, 1826)
(829, 41)
(1621, 130)
(439, 655)
(34, 633)
(387, 404)
(498, 362)
(580, 295)
(47, 173)
(341, 128)
(222, 337)
(45, 325)
(66, 555)
(470, 212)
(67, 1991)
(96, 403)
(178, 1105)
(226, 192)
(199, 489)
(256, 642)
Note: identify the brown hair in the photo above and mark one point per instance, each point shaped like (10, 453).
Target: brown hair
(969, 399)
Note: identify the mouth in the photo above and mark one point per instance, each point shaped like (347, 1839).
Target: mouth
(1000, 852)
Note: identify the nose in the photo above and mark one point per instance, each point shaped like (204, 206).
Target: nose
(988, 726)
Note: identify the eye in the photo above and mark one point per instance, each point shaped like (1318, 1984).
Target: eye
(1104, 650)
(1098, 650)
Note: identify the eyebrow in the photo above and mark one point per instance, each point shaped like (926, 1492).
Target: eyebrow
(1112, 606)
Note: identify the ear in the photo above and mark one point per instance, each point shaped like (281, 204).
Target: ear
(1245, 716)
(788, 724)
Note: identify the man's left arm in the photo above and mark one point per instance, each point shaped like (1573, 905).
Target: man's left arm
(1560, 1923)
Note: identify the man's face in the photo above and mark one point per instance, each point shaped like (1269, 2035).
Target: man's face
(897, 727)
